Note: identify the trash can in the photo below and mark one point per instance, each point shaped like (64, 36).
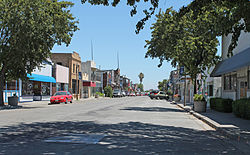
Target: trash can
(13, 100)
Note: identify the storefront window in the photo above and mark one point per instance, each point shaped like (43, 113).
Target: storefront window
(58, 86)
(230, 82)
(227, 82)
(12, 85)
(74, 86)
(248, 79)
(45, 88)
(27, 88)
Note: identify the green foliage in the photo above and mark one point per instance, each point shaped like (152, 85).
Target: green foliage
(108, 91)
(141, 76)
(162, 85)
(198, 97)
(140, 86)
(29, 29)
(241, 108)
(169, 92)
(99, 94)
(222, 105)
(184, 41)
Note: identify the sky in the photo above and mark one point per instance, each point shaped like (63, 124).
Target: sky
(112, 31)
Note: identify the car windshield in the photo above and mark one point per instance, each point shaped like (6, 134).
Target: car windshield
(59, 93)
(116, 90)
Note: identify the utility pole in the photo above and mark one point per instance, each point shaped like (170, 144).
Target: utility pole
(118, 63)
(92, 54)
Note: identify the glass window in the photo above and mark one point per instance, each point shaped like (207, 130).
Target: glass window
(227, 82)
(27, 88)
(12, 85)
(74, 88)
(59, 93)
(45, 88)
(248, 79)
(73, 68)
(233, 82)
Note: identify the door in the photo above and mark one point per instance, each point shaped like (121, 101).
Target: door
(243, 89)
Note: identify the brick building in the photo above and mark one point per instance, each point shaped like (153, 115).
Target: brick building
(73, 62)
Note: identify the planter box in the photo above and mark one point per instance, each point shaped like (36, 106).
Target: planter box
(177, 99)
(13, 101)
(200, 106)
(37, 98)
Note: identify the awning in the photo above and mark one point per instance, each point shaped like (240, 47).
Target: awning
(88, 84)
(42, 78)
(232, 64)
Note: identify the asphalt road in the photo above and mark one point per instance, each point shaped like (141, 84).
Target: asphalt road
(130, 125)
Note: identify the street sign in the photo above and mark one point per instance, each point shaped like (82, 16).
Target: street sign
(80, 75)
(181, 70)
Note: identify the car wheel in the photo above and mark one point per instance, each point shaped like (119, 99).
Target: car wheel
(66, 101)
(71, 101)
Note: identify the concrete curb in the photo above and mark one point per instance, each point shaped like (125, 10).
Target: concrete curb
(233, 134)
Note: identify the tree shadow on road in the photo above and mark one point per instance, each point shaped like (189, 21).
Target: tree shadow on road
(152, 109)
(122, 138)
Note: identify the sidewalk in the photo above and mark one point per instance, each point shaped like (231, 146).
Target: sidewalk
(228, 124)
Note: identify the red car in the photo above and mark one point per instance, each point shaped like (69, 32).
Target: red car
(61, 96)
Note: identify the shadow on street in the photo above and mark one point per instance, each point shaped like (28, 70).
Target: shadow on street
(122, 138)
(153, 109)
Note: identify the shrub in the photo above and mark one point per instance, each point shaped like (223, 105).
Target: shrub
(108, 91)
(198, 97)
(213, 103)
(222, 105)
(99, 94)
(241, 108)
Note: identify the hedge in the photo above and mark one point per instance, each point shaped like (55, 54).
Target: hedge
(222, 105)
(241, 108)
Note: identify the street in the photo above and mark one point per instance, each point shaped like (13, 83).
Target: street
(129, 125)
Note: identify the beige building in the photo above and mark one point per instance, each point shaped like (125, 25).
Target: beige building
(73, 62)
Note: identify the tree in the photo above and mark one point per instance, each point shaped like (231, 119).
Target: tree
(162, 85)
(140, 86)
(141, 76)
(29, 29)
(108, 91)
(184, 41)
(228, 21)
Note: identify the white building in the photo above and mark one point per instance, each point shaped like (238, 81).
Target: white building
(235, 70)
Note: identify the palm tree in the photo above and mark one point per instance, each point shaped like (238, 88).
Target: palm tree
(141, 76)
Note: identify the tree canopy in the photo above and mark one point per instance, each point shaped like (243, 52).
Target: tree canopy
(232, 12)
(162, 85)
(29, 29)
(141, 77)
(184, 41)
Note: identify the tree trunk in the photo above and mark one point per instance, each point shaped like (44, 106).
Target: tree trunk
(195, 86)
(2, 82)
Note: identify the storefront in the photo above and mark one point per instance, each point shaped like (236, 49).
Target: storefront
(61, 74)
(89, 89)
(37, 88)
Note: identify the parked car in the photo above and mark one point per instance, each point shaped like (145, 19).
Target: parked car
(61, 97)
(132, 94)
(117, 93)
(123, 93)
(159, 95)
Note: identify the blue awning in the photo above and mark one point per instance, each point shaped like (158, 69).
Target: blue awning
(232, 64)
(42, 78)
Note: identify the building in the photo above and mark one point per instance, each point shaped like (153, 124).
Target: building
(235, 70)
(89, 85)
(73, 62)
(37, 87)
(61, 74)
